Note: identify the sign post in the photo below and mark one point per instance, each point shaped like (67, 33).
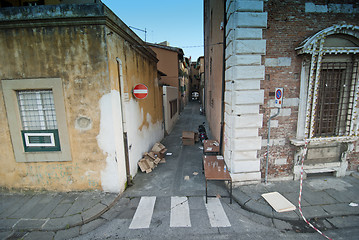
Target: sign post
(140, 91)
(278, 101)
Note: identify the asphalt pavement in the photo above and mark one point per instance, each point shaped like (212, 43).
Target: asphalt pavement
(329, 203)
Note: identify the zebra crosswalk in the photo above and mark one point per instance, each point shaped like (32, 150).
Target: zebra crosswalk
(143, 214)
(180, 216)
(180, 213)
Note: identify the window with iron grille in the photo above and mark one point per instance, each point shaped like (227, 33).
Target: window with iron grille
(336, 94)
(37, 109)
(329, 91)
(38, 118)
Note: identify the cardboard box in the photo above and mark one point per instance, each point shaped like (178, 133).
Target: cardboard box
(158, 147)
(144, 164)
(187, 141)
(151, 155)
(188, 138)
(151, 159)
(157, 161)
(196, 137)
(159, 150)
(188, 134)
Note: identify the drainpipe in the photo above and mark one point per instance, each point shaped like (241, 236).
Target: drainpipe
(125, 139)
(268, 138)
(223, 78)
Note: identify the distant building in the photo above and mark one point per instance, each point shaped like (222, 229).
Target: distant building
(176, 67)
(311, 50)
(68, 116)
(194, 78)
(200, 69)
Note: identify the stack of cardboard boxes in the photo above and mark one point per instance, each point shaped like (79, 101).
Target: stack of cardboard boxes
(151, 159)
(189, 138)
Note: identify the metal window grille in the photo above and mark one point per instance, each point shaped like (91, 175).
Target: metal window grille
(37, 109)
(338, 81)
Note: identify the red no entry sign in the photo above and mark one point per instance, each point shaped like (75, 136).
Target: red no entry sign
(140, 91)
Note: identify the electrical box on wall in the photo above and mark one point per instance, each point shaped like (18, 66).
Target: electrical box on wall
(278, 102)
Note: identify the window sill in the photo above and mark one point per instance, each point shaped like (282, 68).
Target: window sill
(313, 141)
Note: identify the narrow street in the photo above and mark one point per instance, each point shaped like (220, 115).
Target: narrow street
(169, 202)
(100, 102)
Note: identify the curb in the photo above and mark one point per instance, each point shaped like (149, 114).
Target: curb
(80, 223)
(250, 205)
(90, 219)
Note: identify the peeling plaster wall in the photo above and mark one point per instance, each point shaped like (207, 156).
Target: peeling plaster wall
(143, 118)
(141, 140)
(113, 176)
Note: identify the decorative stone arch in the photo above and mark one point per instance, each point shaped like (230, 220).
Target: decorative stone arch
(338, 43)
(314, 43)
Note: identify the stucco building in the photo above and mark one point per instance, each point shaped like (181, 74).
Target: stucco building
(68, 117)
(213, 65)
(176, 67)
(310, 49)
(194, 78)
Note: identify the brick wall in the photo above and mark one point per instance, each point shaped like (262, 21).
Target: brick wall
(289, 23)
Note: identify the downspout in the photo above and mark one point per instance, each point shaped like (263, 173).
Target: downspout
(125, 139)
(223, 78)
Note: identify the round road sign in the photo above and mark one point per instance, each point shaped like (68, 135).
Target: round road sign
(140, 91)
(278, 94)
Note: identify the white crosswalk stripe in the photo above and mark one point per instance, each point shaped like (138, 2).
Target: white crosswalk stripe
(216, 214)
(143, 214)
(180, 212)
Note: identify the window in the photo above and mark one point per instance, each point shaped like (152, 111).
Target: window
(336, 96)
(329, 83)
(37, 120)
(173, 107)
(33, 2)
(38, 117)
(37, 109)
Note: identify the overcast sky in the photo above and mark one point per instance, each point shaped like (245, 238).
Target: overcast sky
(178, 22)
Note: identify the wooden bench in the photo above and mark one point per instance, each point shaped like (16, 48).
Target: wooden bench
(214, 171)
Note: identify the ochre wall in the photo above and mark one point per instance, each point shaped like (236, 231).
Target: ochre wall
(77, 56)
(168, 64)
(84, 58)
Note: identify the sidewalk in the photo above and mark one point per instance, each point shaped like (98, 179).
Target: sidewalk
(45, 215)
(327, 201)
